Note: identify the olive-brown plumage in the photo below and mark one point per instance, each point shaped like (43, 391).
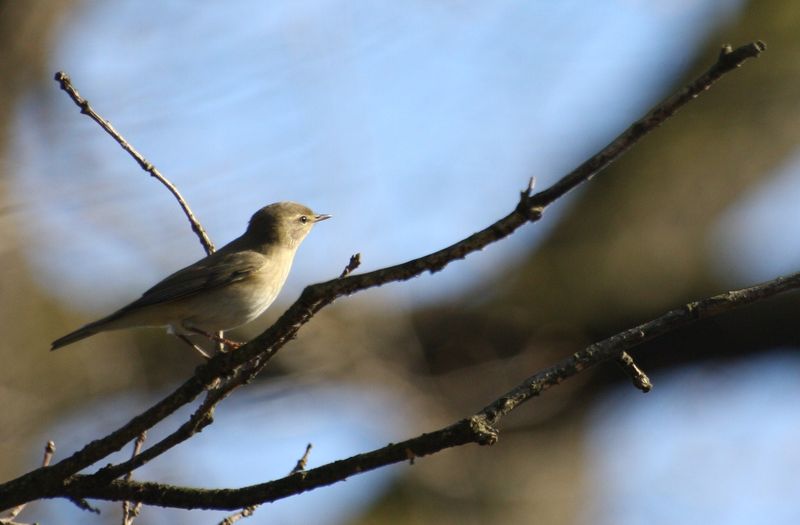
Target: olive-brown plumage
(224, 290)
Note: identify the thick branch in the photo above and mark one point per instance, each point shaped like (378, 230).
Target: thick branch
(480, 428)
(51, 481)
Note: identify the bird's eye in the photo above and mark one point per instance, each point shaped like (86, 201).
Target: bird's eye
(303, 219)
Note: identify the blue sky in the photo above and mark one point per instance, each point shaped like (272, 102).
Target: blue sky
(715, 444)
(413, 123)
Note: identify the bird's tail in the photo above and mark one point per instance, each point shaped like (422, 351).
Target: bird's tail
(77, 335)
(110, 322)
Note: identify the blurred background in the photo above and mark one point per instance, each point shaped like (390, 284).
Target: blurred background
(414, 124)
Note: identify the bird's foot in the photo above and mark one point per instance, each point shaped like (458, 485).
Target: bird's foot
(230, 343)
(194, 346)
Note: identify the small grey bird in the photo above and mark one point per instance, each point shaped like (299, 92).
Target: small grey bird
(224, 290)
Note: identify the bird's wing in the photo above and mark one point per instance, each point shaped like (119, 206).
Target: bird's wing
(219, 269)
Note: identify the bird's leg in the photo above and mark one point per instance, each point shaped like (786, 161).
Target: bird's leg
(233, 345)
(193, 345)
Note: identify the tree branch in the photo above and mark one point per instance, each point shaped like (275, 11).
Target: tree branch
(66, 84)
(728, 60)
(60, 479)
(249, 511)
(49, 451)
(480, 428)
(131, 509)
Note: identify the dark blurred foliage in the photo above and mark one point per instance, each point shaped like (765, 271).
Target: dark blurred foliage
(632, 245)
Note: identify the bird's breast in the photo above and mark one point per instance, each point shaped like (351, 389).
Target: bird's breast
(238, 303)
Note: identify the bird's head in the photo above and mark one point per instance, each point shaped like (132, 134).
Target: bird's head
(286, 223)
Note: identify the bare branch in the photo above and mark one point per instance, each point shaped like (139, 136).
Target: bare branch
(302, 462)
(355, 262)
(200, 418)
(61, 479)
(82, 504)
(49, 451)
(249, 511)
(244, 513)
(480, 428)
(728, 60)
(66, 84)
(129, 512)
(637, 375)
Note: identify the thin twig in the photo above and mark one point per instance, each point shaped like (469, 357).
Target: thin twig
(200, 418)
(49, 451)
(53, 481)
(302, 462)
(244, 513)
(250, 510)
(129, 512)
(82, 504)
(637, 375)
(66, 84)
(355, 262)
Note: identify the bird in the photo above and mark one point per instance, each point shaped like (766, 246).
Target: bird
(223, 290)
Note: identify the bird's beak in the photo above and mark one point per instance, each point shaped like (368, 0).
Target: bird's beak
(321, 217)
